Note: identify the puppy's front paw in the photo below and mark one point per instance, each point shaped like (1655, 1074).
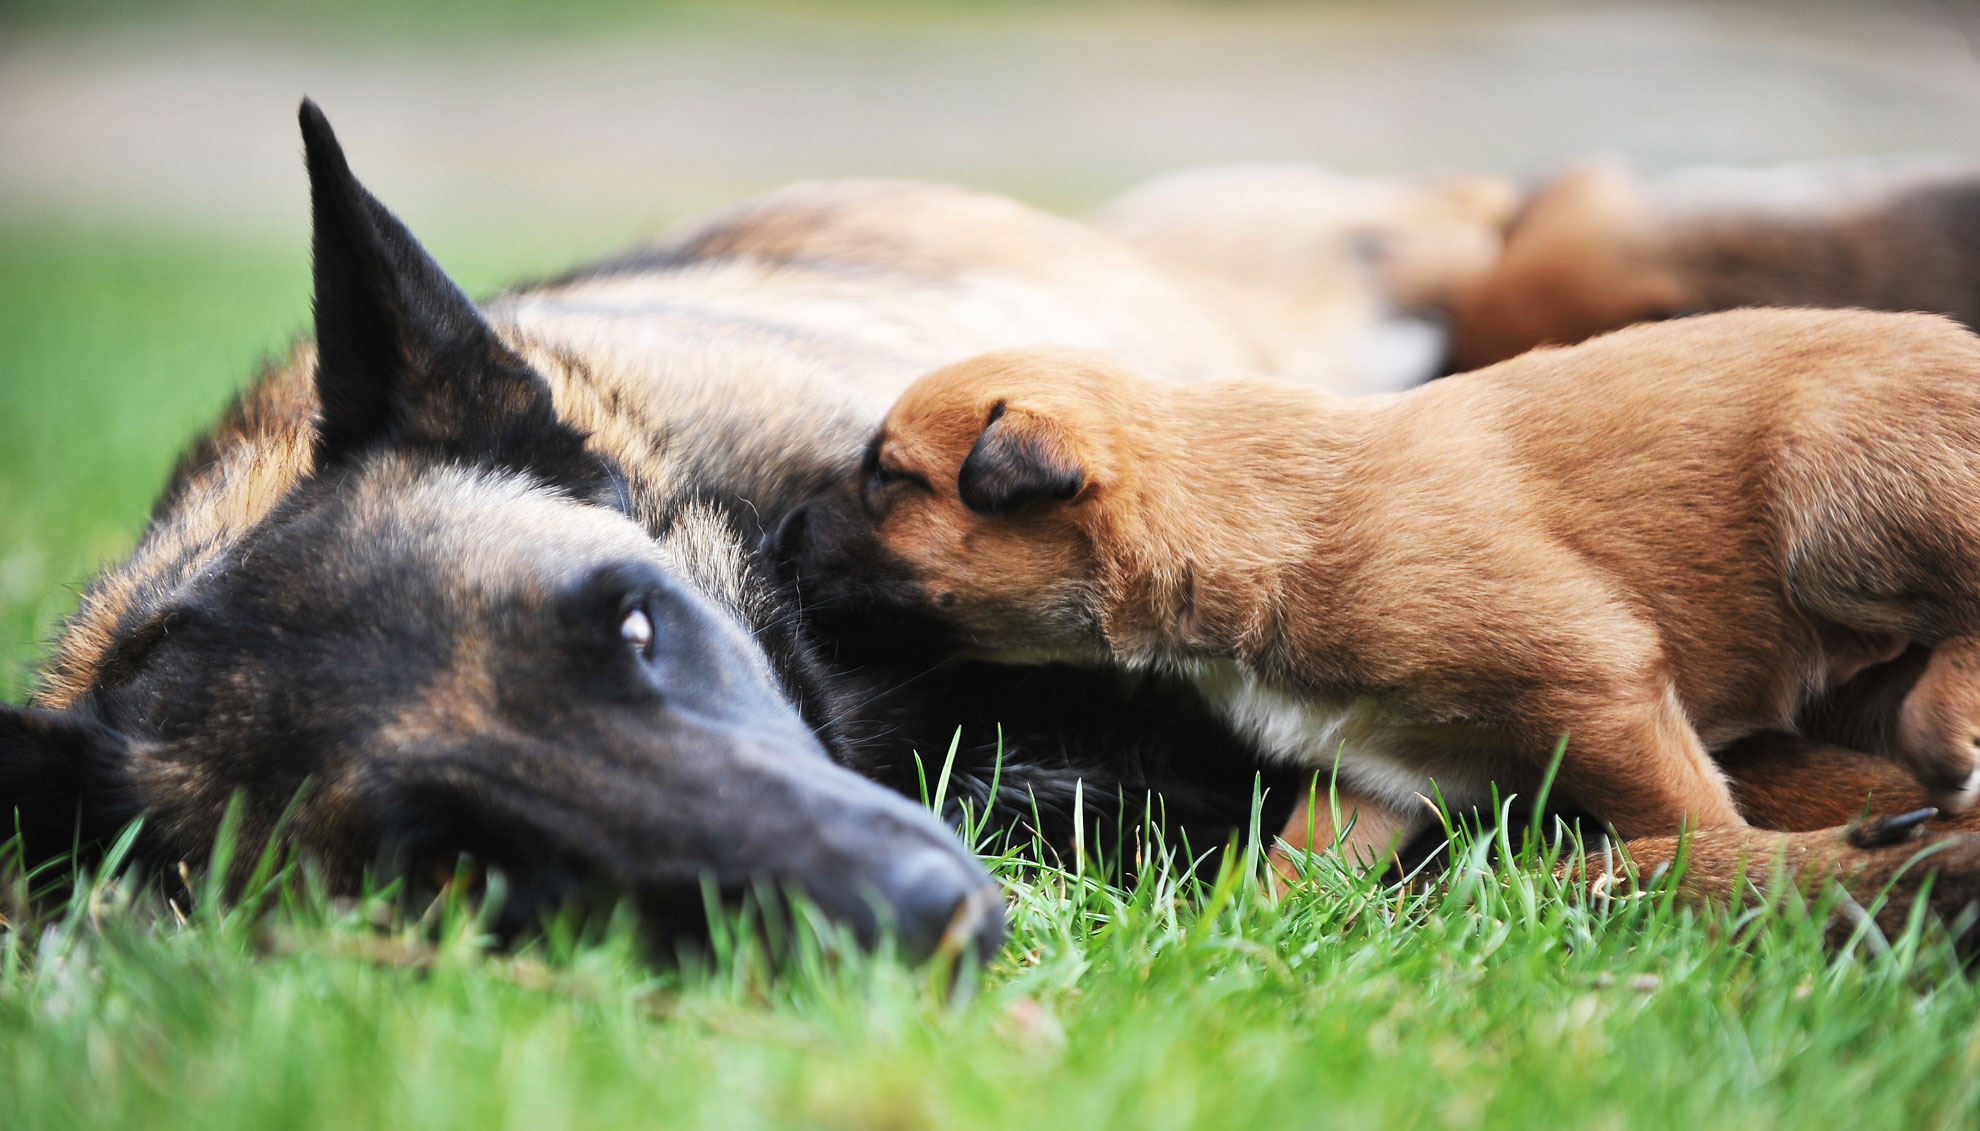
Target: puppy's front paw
(1941, 754)
(1962, 797)
(1883, 863)
(1939, 728)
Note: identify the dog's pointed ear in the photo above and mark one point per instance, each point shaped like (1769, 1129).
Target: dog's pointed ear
(403, 355)
(64, 782)
(1021, 458)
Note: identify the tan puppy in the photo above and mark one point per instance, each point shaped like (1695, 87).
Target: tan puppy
(1653, 544)
(1600, 247)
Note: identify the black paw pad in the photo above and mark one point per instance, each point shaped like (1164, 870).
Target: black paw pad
(1878, 832)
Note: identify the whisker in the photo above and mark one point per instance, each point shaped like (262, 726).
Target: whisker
(883, 693)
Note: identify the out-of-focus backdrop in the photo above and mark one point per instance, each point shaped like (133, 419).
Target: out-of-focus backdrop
(614, 118)
(153, 208)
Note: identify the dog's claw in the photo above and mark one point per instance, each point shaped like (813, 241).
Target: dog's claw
(1878, 832)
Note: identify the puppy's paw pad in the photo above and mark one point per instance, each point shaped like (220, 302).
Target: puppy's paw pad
(1881, 832)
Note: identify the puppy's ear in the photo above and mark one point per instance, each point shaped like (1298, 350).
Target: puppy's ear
(1019, 459)
(64, 782)
(404, 358)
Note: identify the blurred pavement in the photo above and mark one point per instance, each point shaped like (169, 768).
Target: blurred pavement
(622, 134)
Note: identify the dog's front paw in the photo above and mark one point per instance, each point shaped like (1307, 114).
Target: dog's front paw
(1944, 762)
(1939, 726)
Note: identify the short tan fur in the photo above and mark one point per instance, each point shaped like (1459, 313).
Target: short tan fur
(1654, 545)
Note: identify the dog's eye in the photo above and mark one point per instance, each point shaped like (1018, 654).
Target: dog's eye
(637, 630)
(884, 475)
(880, 480)
(128, 656)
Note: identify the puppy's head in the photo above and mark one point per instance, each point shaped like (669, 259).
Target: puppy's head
(978, 508)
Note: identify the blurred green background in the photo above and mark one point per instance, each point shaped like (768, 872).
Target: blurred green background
(153, 209)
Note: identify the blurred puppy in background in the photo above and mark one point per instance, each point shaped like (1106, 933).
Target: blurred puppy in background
(1600, 247)
(1339, 281)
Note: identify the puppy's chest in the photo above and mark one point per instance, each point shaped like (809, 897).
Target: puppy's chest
(1380, 748)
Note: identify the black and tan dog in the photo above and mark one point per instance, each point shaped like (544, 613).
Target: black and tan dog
(480, 579)
(1657, 545)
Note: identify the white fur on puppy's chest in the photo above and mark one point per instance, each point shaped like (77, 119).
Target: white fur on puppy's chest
(1378, 755)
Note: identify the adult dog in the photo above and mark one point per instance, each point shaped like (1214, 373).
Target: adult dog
(478, 580)
(482, 580)
(1656, 544)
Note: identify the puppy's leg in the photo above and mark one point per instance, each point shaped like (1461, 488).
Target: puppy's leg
(1369, 832)
(1939, 724)
(1632, 758)
(1882, 865)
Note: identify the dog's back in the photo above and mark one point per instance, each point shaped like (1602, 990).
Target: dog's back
(746, 358)
(1719, 462)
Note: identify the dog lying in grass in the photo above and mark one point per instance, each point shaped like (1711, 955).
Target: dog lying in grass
(477, 580)
(1652, 546)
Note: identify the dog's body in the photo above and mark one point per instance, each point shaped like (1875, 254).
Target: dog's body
(1655, 545)
(1599, 248)
(715, 379)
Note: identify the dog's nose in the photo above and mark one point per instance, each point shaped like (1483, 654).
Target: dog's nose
(944, 903)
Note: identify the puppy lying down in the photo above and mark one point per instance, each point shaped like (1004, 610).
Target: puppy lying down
(1600, 247)
(1652, 544)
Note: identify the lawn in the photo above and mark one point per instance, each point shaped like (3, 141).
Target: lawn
(1495, 999)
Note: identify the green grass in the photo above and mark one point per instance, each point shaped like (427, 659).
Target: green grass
(1496, 1000)
(114, 349)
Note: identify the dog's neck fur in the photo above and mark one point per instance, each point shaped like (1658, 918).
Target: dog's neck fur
(1220, 548)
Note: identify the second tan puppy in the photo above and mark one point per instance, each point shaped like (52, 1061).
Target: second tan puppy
(1600, 247)
(1653, 544)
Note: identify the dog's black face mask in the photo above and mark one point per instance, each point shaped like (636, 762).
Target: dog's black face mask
(450, 637)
